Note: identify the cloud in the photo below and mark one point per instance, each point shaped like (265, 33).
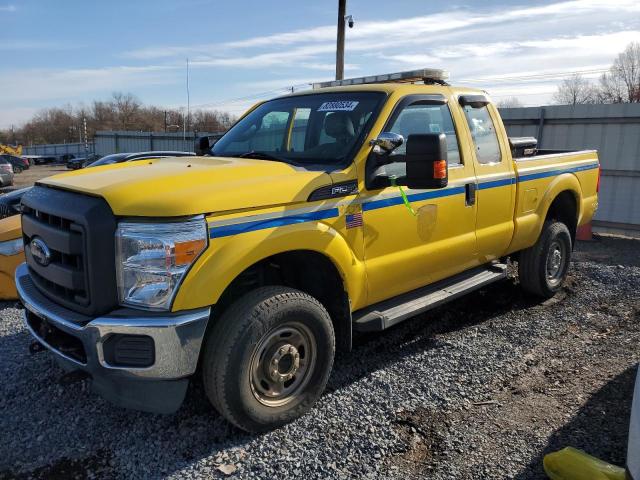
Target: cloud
(405, 30)
(494, 49)
(8, 8)
(28, 85)
(13, 45)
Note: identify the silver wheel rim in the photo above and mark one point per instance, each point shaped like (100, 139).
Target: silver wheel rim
(555, 262)
(282, 363)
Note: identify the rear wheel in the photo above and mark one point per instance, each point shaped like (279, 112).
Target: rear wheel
(268, 358)
(543, 267)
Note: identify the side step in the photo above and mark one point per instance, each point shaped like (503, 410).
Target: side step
(387, 313)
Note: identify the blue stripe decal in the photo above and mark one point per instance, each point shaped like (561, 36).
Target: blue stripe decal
(496, 183)
(227, 230)
(553, 173)
(416, 197)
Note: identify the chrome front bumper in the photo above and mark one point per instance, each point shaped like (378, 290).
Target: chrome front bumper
(177, 338)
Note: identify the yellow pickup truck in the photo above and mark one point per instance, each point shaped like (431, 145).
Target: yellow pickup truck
(349, 207)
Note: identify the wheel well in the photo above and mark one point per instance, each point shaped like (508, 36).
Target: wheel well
(305, 270)
(564, 209)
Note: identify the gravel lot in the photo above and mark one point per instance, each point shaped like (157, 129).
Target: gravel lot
(479, 389)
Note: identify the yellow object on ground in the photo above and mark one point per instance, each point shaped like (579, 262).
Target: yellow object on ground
(573, 464)
(10, 230)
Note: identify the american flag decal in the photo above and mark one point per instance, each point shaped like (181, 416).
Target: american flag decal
(354, 220)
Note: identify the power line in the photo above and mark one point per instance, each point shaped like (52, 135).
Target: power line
(254, 96)
(539, 76)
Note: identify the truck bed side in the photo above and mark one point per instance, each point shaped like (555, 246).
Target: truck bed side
(564, 182)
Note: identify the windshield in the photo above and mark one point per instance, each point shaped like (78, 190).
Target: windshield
(322, 128)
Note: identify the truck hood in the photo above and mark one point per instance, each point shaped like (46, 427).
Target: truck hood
(169, 187)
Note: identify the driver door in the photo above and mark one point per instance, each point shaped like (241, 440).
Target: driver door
(404, 251)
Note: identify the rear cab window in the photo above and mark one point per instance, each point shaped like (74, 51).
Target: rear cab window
(483, 133)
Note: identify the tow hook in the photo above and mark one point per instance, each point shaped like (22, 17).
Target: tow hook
(35, 347)
(74, 376)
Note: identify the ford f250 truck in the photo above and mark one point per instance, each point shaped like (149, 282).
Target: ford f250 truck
(350, 207)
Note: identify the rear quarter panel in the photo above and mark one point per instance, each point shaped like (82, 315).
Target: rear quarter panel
(541, 179)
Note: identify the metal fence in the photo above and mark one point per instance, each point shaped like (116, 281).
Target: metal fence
(107, 142)
(77, 149)
(613, 130)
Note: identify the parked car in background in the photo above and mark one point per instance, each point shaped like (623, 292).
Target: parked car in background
(6, 173)
(10, 202)
(128, 157)
(82, 162)
(45, 159)
(17, 163)
(31, 159)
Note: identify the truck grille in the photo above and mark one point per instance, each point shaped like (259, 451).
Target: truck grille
(65, 275)
(78, 233)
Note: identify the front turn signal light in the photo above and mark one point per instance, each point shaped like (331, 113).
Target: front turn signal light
(440, 169)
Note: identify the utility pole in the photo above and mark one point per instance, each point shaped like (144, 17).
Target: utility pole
(342, 11)
(186, 120)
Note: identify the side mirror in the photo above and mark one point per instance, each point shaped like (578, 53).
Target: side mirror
(426, 159)
(386, 142)
(202, 146)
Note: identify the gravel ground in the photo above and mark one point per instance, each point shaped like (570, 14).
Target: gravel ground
(482, 388)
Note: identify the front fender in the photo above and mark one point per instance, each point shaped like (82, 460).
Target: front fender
(227, 257)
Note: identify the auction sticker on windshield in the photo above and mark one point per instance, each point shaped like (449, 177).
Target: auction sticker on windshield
(341, 106)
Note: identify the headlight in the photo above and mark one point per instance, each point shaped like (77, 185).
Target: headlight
(11, 247)
(152, 258)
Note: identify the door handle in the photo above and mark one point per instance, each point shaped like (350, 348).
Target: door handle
(470, 194)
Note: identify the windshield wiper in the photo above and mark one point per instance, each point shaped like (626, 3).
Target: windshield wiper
(261, 156)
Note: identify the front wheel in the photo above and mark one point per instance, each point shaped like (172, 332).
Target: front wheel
(268, 358)
(543, 267)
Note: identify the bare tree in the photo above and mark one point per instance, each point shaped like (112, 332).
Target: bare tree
(126, 107)
(625, 74)
(610, 89)
(510, 102)
(122, 111)
(575, 90)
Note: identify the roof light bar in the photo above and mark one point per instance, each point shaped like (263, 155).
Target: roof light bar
(427, 75)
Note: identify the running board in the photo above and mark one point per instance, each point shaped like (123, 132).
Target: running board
(387, 313)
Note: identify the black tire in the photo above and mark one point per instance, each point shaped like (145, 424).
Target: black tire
(541, 269)
(240, 350)
(17, 170)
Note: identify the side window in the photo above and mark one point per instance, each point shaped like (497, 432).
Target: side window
(483, 132)
(425, 118)
(299, 129)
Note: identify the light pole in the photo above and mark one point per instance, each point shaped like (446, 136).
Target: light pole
(342, 11)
